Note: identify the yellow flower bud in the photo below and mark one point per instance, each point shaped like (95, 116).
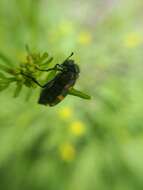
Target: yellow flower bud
(67, 152)
(133, 40)
(77, 128)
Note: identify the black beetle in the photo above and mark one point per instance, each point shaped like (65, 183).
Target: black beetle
(57, 89)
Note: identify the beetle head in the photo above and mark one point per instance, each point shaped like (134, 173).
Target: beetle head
(69, 65)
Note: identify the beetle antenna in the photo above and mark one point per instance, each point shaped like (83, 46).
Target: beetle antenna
(68, 57)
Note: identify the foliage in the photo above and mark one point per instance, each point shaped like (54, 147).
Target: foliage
(80, 145)
(28, 70)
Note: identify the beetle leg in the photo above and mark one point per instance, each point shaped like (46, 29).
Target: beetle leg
(33, 79)
(57, 67)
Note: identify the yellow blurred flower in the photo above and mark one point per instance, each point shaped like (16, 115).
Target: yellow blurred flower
(77, 128)
(65, 113)
(67, 152)
(85, 38)
(133, 40)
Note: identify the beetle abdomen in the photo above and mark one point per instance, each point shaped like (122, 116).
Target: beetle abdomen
(55, 92)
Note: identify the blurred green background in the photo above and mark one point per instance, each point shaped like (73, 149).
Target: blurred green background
(78, 144)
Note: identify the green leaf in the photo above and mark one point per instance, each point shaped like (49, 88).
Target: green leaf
(43, 58)
(2, 76)
(7, 80)
(18, 89)
(78, 93)
(5, 68)
(4, 85)
(48, 61)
